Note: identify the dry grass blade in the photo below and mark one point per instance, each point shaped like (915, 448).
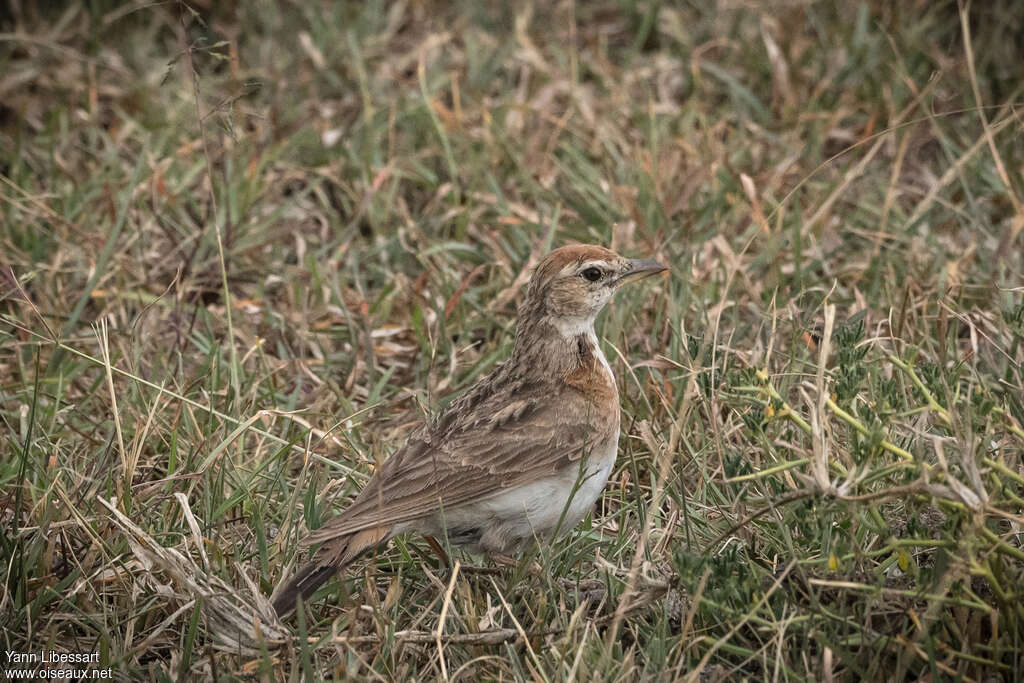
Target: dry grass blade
(965, 25)
(820, 437)
(127, 461)
(193, 525)
(441, 619)
(237, 622)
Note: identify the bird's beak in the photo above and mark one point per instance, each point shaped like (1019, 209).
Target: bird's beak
(639, 269)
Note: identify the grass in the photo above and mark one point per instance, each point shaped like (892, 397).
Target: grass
(247, 248)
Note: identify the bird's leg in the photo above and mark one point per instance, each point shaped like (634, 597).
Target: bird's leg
(503, 560)
(439, 551)
(533, 568)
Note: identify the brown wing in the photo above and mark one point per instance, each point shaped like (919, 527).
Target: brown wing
(485, 443)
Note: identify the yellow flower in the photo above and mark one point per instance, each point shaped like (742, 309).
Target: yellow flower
(902, 560)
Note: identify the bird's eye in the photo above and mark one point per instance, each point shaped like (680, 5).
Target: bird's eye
(592, 274)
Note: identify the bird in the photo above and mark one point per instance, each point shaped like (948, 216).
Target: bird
(521, 456)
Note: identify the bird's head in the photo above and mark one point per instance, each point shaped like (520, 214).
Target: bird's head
(572, 284)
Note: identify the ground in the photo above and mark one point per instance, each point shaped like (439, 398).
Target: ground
(245, 248)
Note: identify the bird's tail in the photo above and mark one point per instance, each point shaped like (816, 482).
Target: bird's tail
(302, 585)
(333, 556)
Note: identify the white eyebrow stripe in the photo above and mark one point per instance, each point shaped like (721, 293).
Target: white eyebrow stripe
(573, 267)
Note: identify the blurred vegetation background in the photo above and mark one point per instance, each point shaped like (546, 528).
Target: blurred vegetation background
(245, 248)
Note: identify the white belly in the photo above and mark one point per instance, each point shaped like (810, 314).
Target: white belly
(555, 505)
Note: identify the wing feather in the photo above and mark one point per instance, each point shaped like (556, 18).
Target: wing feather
(482, 445)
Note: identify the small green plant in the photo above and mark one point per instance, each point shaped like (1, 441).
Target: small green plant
(899, 507)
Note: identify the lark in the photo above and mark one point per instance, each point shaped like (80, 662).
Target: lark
(521, 456)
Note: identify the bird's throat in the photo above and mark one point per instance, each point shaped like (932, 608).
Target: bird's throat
(545, 349)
